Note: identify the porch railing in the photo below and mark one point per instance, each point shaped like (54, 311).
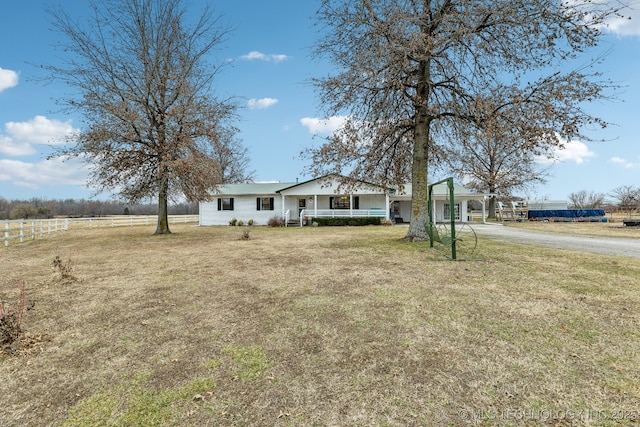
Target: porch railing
(340, 213)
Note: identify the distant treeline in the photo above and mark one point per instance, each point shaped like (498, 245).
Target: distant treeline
(41, 208)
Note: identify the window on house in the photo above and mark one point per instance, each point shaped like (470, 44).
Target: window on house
(264, 203)
(225, 204)
(343, 202)
(447, 211)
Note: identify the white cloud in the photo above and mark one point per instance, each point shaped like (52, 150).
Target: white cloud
(10, 147)
(40, 130)
(51, 172)
(257, 104)
(21, 137)
(255, 55)
(279, 57)
(323, 126)
(619, 161)
(573, 151)
(8, 78)
(629, 23)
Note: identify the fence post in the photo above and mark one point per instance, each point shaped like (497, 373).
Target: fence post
(21, 232)
(6, 234)
(33, 230)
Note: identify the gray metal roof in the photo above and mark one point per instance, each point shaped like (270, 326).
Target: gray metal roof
(332, 177)
(439, 191)
(253, 188)
(269, 188)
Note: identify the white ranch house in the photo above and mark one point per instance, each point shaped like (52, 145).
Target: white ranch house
(323, 197)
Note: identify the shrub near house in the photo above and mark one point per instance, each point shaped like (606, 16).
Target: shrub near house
(367, 220)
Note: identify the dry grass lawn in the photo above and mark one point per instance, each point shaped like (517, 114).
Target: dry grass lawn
(317, 326)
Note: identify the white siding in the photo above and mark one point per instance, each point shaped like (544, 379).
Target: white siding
(404, 210)
(439, 210)
(291, 204)
(244, 208)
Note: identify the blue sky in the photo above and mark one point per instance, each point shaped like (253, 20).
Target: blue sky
(269, 68)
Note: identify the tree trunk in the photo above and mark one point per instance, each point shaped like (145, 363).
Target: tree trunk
(492, 207)
(420, 162)
(163, 211)
(419, 195)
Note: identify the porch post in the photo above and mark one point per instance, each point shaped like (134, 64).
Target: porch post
(435, 213)
(315, 205)
(284, 209)
(386, 201)
(350, 205)
(484, 216)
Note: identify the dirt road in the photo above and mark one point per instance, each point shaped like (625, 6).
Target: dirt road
(599, 245)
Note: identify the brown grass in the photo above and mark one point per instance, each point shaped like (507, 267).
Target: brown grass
(318, 326)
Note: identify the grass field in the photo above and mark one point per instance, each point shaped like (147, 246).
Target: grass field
(316, 326)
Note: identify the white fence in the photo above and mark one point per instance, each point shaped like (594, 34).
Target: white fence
(25, 229)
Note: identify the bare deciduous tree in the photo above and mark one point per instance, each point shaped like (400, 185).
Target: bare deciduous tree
(497, 151)
(628, 198)
(144, 86)
(494, 165)
(410, 72)
(24, 211)
(584, 199)
(232, 158)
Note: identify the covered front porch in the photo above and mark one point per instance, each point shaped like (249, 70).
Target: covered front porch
(324, 198)
(400, 203)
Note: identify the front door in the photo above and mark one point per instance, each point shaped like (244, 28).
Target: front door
(302, 204)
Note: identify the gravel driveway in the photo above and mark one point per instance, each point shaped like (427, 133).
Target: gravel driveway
(598, 245)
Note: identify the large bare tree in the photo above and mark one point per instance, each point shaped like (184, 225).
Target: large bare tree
(628, 198)
(584, 199)
(496, 164)
(143, 82)
(513, 126)
(409, 72)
